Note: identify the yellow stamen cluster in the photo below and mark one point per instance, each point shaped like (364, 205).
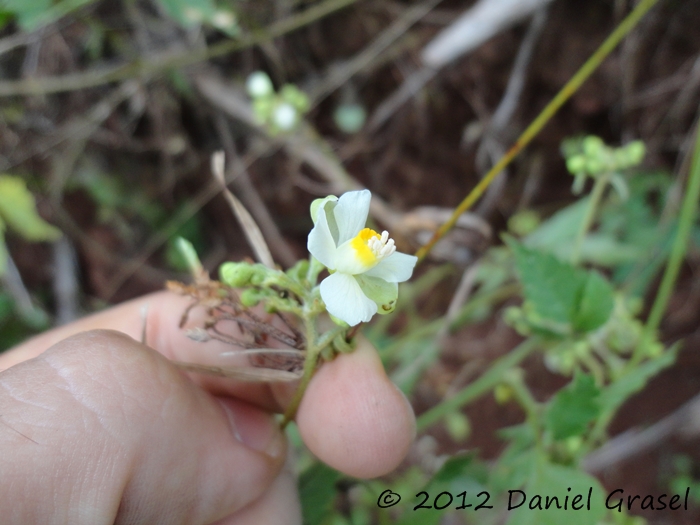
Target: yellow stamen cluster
(370, 247)
(381, 246)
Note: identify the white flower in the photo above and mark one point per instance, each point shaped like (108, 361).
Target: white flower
(365, 266)
(284, 116)
(259, 85)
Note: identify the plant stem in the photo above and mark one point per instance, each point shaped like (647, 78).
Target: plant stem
(547, 113)
(528, 403)
(686, 219)
(167, 60)
(488, 380)
(596, 196)
(314, 348)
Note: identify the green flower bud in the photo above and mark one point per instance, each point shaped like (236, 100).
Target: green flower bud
(593, 146)
(294, 96)
(635, 152)
(524, 223)
(188, 253)
(576, 164)
(350, 117)
(262, 107)
(236, 274)
(594, 166)
(573, 444)
(503, 393)
(299, 270)
(251, 297)
(458, 426)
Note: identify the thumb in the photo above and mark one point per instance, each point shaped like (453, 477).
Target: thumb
(118, 435)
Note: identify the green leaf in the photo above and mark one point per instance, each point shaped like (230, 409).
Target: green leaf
(517, 461)
(18, 210)
(595, 305)
(562, 293)
(189, 12)
(459, 473)
(617, 393)
(557, 234)
(317, 492)
(29, 14)
(560, 229)
(35, 13)
(551, 286)
(553, 481)
(573, 407)
(192, 12)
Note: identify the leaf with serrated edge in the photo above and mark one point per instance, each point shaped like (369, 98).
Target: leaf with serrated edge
(573, 407)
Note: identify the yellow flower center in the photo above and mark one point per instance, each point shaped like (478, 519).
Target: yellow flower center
(363, 252)
(360, 243)
(371, 247)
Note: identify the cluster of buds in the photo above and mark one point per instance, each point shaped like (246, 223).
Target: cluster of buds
(281, 111)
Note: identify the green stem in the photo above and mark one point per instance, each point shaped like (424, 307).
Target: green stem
(596, 196)
(680, 245)
(164, 61)
(686, 219)
(314, 348)
(528, 403)
(486, 382)
(547, 113)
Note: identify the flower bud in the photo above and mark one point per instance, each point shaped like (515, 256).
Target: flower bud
(259, 85)
(251, 297)
(236, 274)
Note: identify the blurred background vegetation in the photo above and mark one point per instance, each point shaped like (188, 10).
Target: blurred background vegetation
(110, 111)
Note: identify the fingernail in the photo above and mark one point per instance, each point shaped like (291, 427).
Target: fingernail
(253, 427)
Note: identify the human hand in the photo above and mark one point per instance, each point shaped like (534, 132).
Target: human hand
(102, 429)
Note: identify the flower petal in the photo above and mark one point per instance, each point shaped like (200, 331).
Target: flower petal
(383, 293)
(320, 242)
(396, 268)
(351, 213)
(345, 300)
(320, 204)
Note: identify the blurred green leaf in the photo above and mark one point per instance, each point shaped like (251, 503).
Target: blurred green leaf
(317, 492)
(573, 407)
(561, 292)
(458, 474)
(28, 13)
(192, 12)
(189, 12)
(550, 480)
(556, 236)
(18, 210)
(595, 304)
(31, 14)
(551, 286)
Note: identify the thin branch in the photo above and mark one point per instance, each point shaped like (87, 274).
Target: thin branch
(166, 60)
(544, 117)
